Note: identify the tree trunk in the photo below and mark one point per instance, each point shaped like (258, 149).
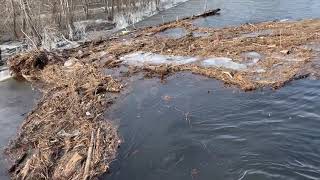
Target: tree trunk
(111, 16)
(14, 19)
(27, 12)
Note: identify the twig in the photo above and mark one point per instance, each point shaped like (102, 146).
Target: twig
(89, 156)
(35, 46)
(97, 143)
(280, 38)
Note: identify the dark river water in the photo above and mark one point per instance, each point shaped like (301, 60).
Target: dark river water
(192, 127)
(16, 100)
(235, 12)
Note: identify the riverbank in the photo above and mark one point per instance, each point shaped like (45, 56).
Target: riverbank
(66, 134)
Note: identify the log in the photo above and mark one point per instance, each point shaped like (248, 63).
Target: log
(202, 15)
(208, 13)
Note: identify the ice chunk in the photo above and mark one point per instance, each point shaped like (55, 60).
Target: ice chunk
(201, 34)
(223, 62)
(143, 58)
(174, 33)
(251, 58)
(4, 74)
(10, 48)
(312, 46)
(267, 32)
(260, 70)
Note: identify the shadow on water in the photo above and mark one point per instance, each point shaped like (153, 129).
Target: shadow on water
(16, 100)
(193, 128)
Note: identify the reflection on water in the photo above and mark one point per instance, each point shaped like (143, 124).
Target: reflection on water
(193, 128)
(16, 100)
(235, 12)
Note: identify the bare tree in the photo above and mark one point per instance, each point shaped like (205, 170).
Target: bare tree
(33, 17)
(14, 18)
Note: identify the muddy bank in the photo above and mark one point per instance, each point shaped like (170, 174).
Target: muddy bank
(66, 135)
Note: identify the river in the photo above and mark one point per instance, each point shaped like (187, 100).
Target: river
(16, 100)
(195, 128)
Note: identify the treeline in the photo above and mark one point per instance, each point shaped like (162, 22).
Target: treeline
(30, 18)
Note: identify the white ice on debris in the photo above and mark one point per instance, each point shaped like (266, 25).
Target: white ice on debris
(11, 45)
(147, 58)
(314, 46)
(251, 58)
(267, 32)
(174, 33)
(223, 62)
(10, 48)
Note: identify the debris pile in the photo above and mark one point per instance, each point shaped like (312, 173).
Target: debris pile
(66, 135)
(273, 52)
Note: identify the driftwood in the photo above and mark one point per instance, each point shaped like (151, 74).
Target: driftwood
(208, 13)
(88, 161)
(202, 15)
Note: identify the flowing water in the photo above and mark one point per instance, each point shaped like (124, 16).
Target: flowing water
(16, 100)
(192, 127)
(235, 12)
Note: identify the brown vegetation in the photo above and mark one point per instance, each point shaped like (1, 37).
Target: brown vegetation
(65, 136)
(283, 46)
